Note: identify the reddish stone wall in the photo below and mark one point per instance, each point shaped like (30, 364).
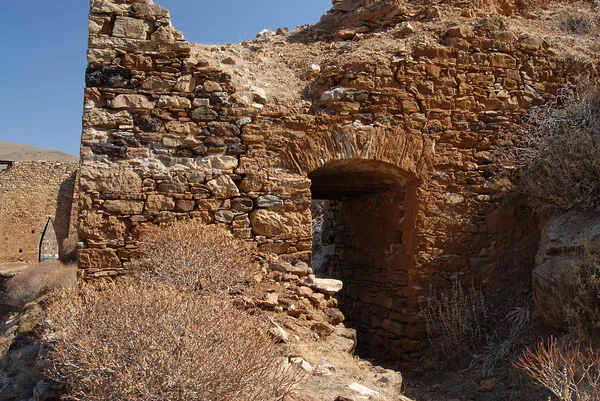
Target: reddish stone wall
(30, 193)
(167, 137)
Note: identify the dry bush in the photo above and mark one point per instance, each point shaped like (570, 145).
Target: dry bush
(569, 372)
(583, 312)
(39, 280)
(136, 341)
(455, 324)
(195, 257)
(580, 21)
(560, 152)
(68, 249)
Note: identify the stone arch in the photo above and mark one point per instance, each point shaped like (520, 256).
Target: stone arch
(393, 146)
(366, 209)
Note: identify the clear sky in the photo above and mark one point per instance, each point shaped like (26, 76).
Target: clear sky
(43, 45)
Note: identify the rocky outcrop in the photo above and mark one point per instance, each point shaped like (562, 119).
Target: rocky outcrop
(560, 251)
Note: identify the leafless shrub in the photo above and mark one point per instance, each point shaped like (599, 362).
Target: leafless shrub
(580, 21)
(136, 341)
(560, 152)
(501, 348)
(195, 257)
(569, 372)
(455, 324)
(583, 312)
(68, 250)
(39, 280)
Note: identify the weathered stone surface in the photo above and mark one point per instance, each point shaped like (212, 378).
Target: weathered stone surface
(269, 201)
(102, 178)
(326, 285)
(98, 259)
(157, 203)
(106, 119)
(177, 102)
(280, 224)
(559, 254)
(223, 187)
(124, 206)
(204, 114)
(132, 28)
(301, 269)
(132, 102)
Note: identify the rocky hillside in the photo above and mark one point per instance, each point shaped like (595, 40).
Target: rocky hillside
(16, 152)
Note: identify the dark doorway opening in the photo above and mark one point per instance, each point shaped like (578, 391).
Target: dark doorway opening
(361, 233)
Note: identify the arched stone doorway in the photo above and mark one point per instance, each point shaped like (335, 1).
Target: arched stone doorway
(366, 210)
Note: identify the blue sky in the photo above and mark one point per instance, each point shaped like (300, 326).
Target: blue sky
(43, 45)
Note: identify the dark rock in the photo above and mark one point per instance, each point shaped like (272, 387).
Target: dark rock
(334, 316)
(109, 149)
(148, 123)
(107, 76)
(204, 114)
(223, 129)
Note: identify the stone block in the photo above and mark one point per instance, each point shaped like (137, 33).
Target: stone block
(131, 28)
(124, 206)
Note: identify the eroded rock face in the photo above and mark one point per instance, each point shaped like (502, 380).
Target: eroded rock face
(559, 254)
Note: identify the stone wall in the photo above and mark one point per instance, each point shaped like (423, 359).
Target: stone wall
(166, 137)
(30, 194)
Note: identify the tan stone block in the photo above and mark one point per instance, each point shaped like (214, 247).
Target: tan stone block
(176, 102)
(106, 118)
(501, 60)
(132, 102)
(124, 206)
(223, 187)
(279, 224)
(98, 259)
(137, 62)
(158, 84)
(131, 28)
(109, 179)
(157, 203)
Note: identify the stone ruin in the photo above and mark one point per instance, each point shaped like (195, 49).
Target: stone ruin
(402, 136)
(31, 193)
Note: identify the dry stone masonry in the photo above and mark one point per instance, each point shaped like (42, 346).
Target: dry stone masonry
(403, 143)
(30, 194)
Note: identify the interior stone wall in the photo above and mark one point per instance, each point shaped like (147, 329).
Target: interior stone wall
(165, 137)
(30, 194)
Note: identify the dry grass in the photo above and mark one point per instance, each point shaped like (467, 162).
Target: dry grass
(39, 280)
(582, 20)
(195, 257)
(455, 324)
(560, 152)
(137, 341)
(569, 372)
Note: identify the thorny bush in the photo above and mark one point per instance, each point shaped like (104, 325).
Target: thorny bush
(196, 257)
(38, 280)
(568, 371)
(140, 341)
(559, 154)
(456, 324)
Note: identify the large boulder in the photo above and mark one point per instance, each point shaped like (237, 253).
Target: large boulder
(559, 254)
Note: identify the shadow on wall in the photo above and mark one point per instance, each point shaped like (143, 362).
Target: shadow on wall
(65, 218)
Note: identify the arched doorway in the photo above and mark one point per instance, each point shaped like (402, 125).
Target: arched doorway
(364, 215)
